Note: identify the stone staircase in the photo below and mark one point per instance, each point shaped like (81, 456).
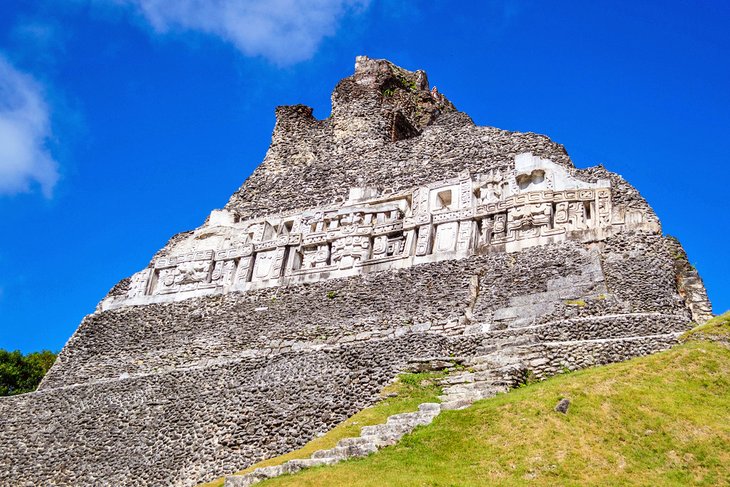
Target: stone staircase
(499, 365)
(495, 370)
(370, 440)
(486, 376)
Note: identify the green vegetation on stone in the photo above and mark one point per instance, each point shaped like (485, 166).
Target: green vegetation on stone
(717, 328)
(406, 82)
(22, 373)
(655, 420)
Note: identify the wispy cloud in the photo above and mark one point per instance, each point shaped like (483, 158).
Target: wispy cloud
(283, 31)
(24, 133)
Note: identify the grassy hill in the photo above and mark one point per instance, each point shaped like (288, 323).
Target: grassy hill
(657, 420)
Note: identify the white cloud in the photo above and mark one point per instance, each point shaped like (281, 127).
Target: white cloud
(284, 31)
(24, 131)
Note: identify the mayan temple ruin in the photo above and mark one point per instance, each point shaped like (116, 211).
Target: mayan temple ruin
(392, 232)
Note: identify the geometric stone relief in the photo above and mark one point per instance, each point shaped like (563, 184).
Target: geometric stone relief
(533, 203)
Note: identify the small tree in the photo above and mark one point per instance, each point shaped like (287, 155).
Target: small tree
(22, 373)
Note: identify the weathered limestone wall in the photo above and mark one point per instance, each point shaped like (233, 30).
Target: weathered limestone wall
(365, 191)
(538, 285)
(442, 152)
(533, 203)
(268, 325)
(211, 385)
(353, 147)
(259, 323)
(189, 425)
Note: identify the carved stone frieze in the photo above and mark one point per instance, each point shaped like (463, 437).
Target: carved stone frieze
(533, 203)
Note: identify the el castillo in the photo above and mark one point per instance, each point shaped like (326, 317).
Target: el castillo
(395, 296)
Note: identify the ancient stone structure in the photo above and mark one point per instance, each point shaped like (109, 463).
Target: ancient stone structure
(536, 202)
(395, 230)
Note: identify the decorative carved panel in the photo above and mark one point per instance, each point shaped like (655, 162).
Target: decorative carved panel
(531, 204)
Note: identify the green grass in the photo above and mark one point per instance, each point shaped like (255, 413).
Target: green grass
(717, 328)
(655, 421)
(407, 393)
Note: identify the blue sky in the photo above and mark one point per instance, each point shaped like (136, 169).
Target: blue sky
(123, 122)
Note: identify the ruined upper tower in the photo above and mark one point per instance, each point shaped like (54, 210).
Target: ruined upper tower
(393, 230)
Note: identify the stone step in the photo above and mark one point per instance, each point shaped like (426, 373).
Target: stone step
(371, 438)
(402, 418)
(489, 375)
(358, 440)
(258, 475)
(463, 396)
(487, 367)
(495, 375)
(331, 453)
(432, 408)
(475, 387)
(384, 435)
(461, 378)
(349, 451)
(456, 404)
(498, 358)
(377, 430)
(299, 464)
(465, 400)
(459, 389)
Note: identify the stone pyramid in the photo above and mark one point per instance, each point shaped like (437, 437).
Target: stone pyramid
(392, 232)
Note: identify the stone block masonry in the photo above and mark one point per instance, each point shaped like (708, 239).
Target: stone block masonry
(395, 230)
